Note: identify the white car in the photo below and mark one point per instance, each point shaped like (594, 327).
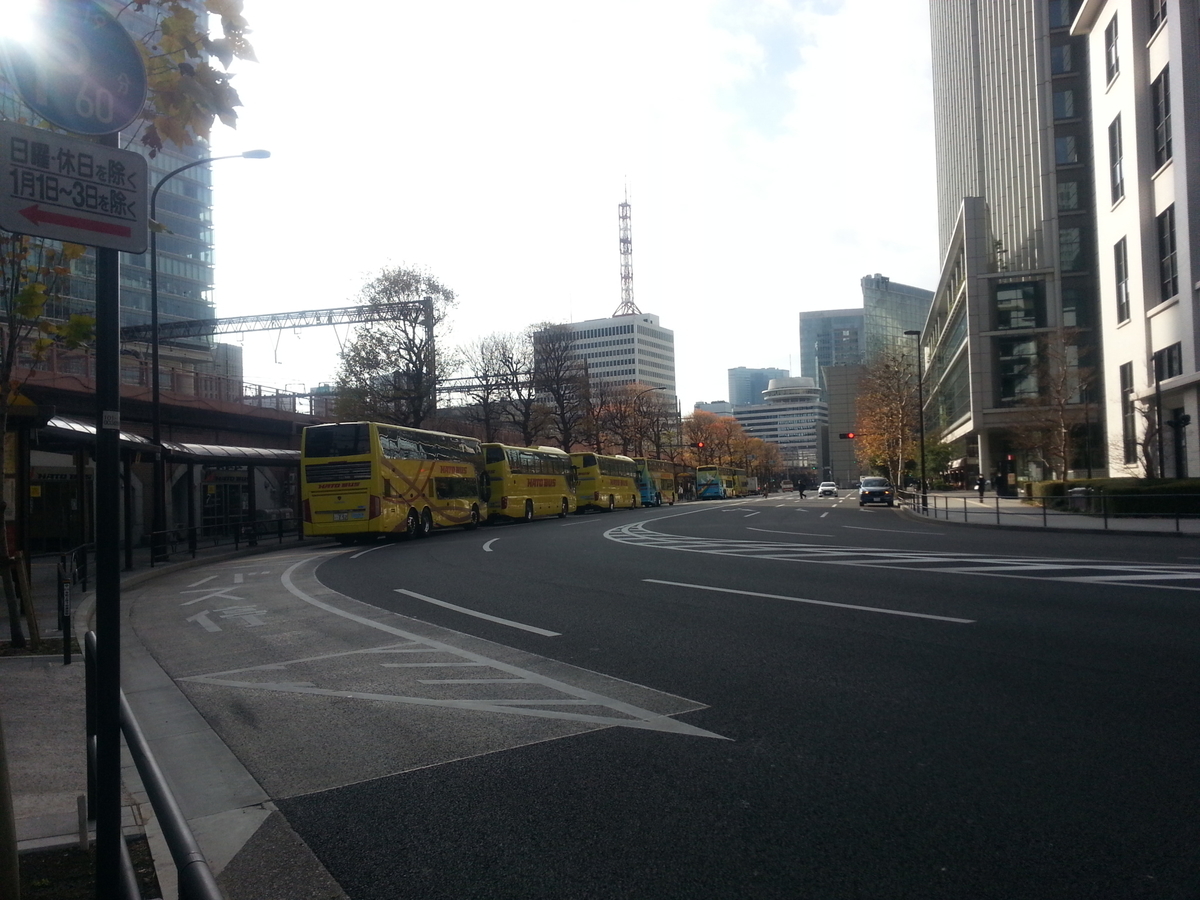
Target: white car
(827, 489)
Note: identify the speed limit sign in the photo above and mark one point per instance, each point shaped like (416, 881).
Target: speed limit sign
(79, 68)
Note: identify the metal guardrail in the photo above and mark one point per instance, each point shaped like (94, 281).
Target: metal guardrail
(1082, 503)
(196, 880)
(230, 531)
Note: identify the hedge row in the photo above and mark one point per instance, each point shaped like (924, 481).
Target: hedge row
(1124, 496)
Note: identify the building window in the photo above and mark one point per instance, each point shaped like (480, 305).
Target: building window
(1116, 171)
(1018, 367)
(1060, 13)
(1019, 306)
(1121, 270)
(1065, 151)
(1158, 13)
(1068, 195)
(1128, 414)
(1070, 248)
(1160, 92)
(1168, 271)
(1064, 104)
(1060, 59)
(1111, 61)
(1168, 362)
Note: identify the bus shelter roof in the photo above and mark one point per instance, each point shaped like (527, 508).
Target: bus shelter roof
(62, 427)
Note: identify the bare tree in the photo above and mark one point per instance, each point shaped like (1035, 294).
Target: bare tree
(887, 414)
(561, 378)
(523, 409)
(1053, 419)
(390, 370)
(487, 386)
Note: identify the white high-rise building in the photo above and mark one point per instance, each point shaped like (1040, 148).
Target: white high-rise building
(792, 415)
(1145, 72)
(626, 349)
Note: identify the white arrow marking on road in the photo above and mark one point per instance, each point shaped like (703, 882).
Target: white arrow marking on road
(874, 609)
(487, 548)
(479, 615)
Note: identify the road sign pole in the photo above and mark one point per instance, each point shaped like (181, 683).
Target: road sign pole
(108, 568)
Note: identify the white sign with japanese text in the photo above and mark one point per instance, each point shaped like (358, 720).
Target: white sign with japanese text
(69, 189)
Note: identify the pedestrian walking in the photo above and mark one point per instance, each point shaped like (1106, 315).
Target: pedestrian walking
(981, 486)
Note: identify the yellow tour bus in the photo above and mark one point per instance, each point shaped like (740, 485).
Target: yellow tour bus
(605, 482)
(362, 479)
(656, 481)
(525, 482)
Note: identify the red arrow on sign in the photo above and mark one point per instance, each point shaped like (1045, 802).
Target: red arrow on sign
(37, 216)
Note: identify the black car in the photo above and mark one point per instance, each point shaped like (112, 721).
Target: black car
(876, 490)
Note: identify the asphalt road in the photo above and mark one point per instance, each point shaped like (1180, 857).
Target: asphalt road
(761, 698)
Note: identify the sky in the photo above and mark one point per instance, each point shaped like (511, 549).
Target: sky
(773, 151)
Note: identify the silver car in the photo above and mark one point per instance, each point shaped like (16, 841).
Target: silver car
(827, 489)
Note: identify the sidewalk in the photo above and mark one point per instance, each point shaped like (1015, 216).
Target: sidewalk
(42, 708)
(1013, 512)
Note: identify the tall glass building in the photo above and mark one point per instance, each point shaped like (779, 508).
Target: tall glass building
(889, 310)
(830, 337)
(746, 386)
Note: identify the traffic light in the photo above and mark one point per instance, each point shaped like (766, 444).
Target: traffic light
(699, 445)
(847, 435)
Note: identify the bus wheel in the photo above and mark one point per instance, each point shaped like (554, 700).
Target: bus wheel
(473, 522)
(612, 502)
(528, 511)
(412, 525)
(426, 528)
(566, 507)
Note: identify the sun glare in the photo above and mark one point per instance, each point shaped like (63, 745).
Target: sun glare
(20, 20)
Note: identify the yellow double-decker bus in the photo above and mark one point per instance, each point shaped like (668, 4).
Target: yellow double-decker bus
(525, 482)
(360, 479)
(605, 482)
(656, 481)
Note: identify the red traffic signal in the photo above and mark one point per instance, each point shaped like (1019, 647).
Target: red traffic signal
(847, 435)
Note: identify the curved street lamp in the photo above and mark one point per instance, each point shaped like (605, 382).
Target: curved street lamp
(921, 417)
(159, 526)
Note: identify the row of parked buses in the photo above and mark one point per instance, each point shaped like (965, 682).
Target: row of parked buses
(360, 479)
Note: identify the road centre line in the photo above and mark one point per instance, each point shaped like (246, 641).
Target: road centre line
(479, 615)
(874, 609)
(893, 530)
(800, 533)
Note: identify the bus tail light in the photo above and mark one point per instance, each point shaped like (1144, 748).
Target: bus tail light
(504, 502)
(307, 512)
(596, 496)
(376, 507)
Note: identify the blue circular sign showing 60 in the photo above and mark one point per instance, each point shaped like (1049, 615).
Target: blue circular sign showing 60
(80, 70)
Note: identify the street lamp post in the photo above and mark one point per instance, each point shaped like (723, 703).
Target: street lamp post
(921, 418)
(159, 526)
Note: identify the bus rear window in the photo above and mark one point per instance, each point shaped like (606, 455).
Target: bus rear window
(494, 454)
(588, 460)
(337, 440)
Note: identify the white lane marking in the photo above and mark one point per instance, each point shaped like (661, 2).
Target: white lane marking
(874, 609)
(487, 547)
(238, 578)
(639, 718)
(801, 533)
(479, 615)
(748, 515)
(892, 530)
(221, 593)
(824, 514)
(201, 581)
(371, 550)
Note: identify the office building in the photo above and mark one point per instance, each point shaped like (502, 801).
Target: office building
(746, 386)
(830, 337)
(792, 415)
(716, 407)
(1145, 69)
(625, 349)
(889, 310)
(1015, 305)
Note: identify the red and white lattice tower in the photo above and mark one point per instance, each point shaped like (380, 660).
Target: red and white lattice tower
(627, 307)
